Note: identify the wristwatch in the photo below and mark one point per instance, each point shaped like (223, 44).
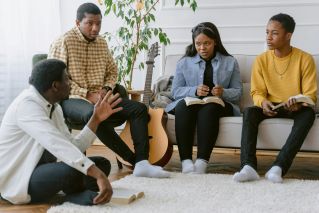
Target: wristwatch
(107, 88)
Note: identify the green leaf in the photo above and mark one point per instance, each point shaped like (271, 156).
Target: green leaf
(193, 5)
(155, 31)
(107, 9)
(152, 17)
(114, 8)
(141, 66)
(132, 23)
(138, 19)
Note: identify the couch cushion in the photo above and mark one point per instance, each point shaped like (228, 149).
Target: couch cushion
(272, 133)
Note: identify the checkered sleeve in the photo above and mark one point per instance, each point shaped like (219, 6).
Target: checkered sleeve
(77, 90)
(59, 50)
(111, 70)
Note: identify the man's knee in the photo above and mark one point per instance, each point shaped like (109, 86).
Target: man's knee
(121, 90)
(251, 112)
(77, 111)
(308, 116)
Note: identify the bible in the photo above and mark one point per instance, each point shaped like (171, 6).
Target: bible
(125, 196)
(299, 99)
(208, 99)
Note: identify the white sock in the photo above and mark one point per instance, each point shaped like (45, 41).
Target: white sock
(200, 166)
(247, 173)
(187, 166)
(145, 169)
(274, 174)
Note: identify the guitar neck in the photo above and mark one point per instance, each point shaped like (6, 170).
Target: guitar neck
(148, 82)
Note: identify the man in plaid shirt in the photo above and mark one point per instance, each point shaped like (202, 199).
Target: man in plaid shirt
(93, 72)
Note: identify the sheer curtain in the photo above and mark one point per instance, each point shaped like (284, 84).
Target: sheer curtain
(27, 27)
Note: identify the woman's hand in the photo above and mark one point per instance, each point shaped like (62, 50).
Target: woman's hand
(217, 91)
(202, 90)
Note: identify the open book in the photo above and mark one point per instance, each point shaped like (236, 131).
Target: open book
(208, 99)
(125, 196)
(299, 99)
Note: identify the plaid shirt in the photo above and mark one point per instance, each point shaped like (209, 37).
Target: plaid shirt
(90, 64)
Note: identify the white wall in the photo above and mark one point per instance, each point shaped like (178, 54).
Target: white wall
(241, 25)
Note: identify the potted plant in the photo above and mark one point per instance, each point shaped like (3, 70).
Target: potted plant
(133, 36)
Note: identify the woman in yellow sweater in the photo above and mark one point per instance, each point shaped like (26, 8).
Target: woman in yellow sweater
(278, 74)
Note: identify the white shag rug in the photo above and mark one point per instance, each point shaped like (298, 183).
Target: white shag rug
(209, 193)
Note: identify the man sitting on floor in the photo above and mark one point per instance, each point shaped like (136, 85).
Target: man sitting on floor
(33, 136)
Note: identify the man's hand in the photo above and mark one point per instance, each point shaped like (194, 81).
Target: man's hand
(202, 90)
(93, 97)
(267, 108)
(293, 106)
(105, 188)
(217, 91)
(103, 109)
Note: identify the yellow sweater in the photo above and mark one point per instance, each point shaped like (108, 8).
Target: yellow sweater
(276, 79)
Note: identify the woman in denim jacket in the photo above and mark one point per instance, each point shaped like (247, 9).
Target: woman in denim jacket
(206, 69)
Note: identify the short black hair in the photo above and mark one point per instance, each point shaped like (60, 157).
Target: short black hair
(89, 8)
(287, 22)
(45, 72)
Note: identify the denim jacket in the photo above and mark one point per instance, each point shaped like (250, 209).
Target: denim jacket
(190, 73)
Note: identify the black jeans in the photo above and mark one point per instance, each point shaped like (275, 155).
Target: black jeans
(80, 111)
(48, 178)
(206, 118)
(303, 120)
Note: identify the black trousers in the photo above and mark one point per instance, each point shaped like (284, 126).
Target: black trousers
(80, 111)
(50, 177)
(206, 118)
(303, 121)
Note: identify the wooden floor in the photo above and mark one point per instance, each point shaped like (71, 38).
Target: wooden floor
(225, 161)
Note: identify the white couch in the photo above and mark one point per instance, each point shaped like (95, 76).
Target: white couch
(272, 132)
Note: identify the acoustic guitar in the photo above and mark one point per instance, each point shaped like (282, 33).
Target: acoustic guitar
(160, 149)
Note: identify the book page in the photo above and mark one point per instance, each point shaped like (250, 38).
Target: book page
(192, 100)
(303, 98)
(214, 99)
(278, 106)
(209, 99)
(125, 196)
(299, 99)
